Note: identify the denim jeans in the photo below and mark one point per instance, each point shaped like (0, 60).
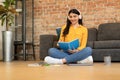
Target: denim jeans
(78, 56)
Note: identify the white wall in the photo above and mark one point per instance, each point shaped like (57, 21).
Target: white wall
(1, 28)
(1, 39)
(0, 43)
(2, 0)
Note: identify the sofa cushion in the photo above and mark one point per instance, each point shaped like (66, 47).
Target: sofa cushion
(98, 54)
(109, 31)
(58, 30)
(110, 44)
(90, 44)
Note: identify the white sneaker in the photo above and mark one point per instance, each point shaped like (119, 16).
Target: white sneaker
(88, 60)
(51, 60)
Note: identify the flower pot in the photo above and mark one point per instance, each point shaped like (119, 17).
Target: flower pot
(7, 45)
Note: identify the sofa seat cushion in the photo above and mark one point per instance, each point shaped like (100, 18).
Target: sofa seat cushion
(90, 44)
(110, 44)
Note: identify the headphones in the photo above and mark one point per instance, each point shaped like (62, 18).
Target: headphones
(80, 16)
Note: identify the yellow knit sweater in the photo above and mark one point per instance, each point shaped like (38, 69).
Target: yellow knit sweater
(80, 33)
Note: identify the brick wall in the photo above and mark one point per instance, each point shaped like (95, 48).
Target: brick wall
(50, 14)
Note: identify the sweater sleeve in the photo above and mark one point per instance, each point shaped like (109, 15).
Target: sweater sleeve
(84, 39)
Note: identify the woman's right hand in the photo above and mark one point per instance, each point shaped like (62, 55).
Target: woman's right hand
(57, 43)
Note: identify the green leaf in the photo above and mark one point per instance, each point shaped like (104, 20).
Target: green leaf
(3, 18)
(3, 21)
(7, 13)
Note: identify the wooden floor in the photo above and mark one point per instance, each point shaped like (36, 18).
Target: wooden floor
(19, 70)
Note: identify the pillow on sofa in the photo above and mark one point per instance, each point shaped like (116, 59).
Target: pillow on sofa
(58, 30)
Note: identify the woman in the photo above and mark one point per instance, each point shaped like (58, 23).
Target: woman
(74, 29)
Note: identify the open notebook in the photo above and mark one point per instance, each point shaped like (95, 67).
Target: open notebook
(74, 44)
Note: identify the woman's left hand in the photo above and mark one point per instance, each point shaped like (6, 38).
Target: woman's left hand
(73, 51)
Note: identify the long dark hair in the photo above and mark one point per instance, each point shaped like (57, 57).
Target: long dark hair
(66, 30)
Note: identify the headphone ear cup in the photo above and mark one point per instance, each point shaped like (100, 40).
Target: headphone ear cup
(68, 18)
(80, 17)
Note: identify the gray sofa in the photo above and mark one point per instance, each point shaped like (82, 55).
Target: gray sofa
(104, 41)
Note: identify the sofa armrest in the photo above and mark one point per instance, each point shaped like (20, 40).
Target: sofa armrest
(92, 34)
(46, 42)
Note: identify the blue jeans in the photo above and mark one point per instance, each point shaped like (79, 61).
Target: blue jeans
(78, 56)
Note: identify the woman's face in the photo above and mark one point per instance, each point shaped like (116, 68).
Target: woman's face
(73, 18)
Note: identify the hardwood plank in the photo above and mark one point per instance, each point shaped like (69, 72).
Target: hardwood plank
(19, 70)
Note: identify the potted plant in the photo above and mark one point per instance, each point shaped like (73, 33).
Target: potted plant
(7, 16)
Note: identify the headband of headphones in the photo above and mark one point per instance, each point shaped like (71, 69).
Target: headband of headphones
(80, 16)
